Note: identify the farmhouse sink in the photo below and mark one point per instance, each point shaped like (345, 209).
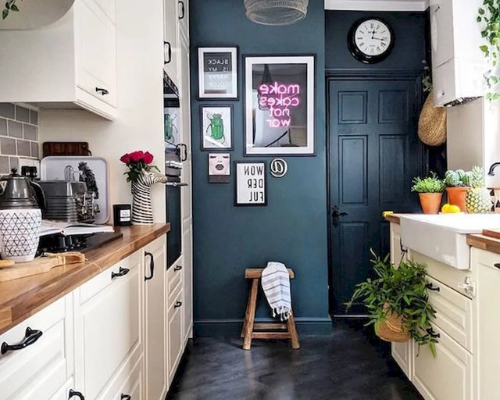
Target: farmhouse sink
(443, 236)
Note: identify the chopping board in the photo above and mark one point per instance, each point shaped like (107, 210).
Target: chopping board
(493, 233)
(40, 265)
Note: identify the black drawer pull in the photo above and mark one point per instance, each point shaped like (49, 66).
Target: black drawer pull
(30, 338)
(430, 286)
(151, 266)
(183, 10)
(167, 55)
(125, 397)
(497, 265)
(178, 304)
(121, 272)
(103, 91)
(73, 393)
(177, 268)
(433, 334)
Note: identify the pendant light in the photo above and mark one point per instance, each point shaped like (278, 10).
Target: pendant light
(276, 12)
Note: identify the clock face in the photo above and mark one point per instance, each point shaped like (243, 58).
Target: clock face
(370, 40)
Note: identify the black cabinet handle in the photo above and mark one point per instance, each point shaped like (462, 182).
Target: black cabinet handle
(183, 10)
(177, 268)
(177, 304)
(433, 334)
(430, 286)
(30, 338)
(125, 397)
(167, 55)
(151, 266)
(497, 265)
(103, 91)
(73, 393)
(121, 272)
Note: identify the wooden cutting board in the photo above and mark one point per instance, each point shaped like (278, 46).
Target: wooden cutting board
(39, 265)
(493, 233)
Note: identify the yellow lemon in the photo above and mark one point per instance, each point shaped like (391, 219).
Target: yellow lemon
(446, 208)
(454, 209)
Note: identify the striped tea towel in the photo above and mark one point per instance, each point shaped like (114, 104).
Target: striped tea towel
(276, 285)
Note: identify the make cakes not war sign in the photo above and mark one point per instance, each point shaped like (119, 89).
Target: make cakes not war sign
(251, 184)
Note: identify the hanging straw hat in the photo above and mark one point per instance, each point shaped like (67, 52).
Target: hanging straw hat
(432, 123)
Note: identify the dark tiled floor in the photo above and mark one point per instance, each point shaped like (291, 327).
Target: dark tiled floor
(351, 364)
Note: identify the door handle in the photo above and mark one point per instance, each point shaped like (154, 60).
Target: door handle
(125, 397)
(177, 304)
(102, 91)
(183, 10)
(177, 268)
(167, 54)
(30, 338)
(73, 393)
(433, 334)
(151, 266)
(430, 286)
(336, 215)
(121, 272)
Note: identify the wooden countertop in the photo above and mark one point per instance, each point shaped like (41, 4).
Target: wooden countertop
(21, 298)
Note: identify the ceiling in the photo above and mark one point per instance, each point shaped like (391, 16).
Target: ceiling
(377, 5)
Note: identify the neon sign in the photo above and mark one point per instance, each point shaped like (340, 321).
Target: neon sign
(279, 98)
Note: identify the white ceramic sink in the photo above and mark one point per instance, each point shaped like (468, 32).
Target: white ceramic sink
(443, 237)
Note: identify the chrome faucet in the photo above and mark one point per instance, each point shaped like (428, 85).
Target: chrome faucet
(491, 172)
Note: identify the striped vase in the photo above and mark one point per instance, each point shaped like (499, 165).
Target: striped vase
(142, 210)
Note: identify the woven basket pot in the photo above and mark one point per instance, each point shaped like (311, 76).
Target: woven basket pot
(392, 330)
(432, 123)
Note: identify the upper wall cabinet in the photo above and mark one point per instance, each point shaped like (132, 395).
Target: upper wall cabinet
(69, 64)
(175, 27)
(458, 64)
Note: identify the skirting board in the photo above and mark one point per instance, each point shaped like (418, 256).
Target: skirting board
(377, 5)
(232, 327)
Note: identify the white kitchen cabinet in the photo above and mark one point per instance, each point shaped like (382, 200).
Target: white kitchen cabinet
(128, 384)
(171, 39)
(41, 368)
(187, 243)
(401, 352)
(69, 64)
(183, 17)
(108, 324)
(175, 331)
(154, 256)
(457, 62)
(487, 323)
(449, 376)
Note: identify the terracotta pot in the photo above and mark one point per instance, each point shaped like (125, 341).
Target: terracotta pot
(456, 196)
(430, 202)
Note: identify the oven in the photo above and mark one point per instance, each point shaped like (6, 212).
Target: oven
(173, 192)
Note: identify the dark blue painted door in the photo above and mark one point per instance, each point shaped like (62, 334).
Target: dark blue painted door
(374, 154)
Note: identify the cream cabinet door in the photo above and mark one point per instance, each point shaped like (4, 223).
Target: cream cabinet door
(488, 323)
(171, 40)
(154, 256)
(183, 16)
(175, 332)
(401, 352)
(187, 307)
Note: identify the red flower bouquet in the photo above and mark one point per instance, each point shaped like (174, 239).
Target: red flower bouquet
(138, 162)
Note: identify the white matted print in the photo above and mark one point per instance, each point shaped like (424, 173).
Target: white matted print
(219, 167)
(171, 127)
(218, 73)
(217, 127)
(251, 185)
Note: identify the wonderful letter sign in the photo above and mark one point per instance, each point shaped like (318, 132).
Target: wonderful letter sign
(251, 184)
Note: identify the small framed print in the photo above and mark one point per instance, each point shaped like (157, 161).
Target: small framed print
(219, 167)
(217, 127)
(218, 73)
(251, 184)
(171, 129)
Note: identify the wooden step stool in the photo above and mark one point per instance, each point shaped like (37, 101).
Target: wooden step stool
(252, 330)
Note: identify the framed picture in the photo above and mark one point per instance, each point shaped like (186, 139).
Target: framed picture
(171, 128)
(217, 127)
(279, 105)
(218, 73)
(251, 184)
(219, 167)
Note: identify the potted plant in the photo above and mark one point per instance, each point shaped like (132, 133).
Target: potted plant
(457, 185)
(397, 302)
(430, 190)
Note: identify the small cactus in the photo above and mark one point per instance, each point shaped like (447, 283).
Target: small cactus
(457, 178)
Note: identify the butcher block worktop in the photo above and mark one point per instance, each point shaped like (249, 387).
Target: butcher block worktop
(21, 298)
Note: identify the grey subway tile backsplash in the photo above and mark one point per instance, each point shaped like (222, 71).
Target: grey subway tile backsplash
(15, 129)
(8, 146)
(23, 148)
(30, 132)
(18, 135)
(7, 110)
(22, 114)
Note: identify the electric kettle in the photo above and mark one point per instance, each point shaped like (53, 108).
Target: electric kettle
(20, 217)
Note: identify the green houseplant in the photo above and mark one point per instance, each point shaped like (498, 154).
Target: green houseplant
(10, 5)
(457, 185)
(489, 17)
(398, 296)
(430, 190)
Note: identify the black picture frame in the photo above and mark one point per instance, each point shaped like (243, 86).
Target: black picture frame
(239, 179)
(221, 54)
(203, 127)
(361, 56)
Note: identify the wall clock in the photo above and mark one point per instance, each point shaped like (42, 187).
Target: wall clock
(370, 40)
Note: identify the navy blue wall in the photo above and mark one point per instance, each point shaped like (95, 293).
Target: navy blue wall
(292, 228)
